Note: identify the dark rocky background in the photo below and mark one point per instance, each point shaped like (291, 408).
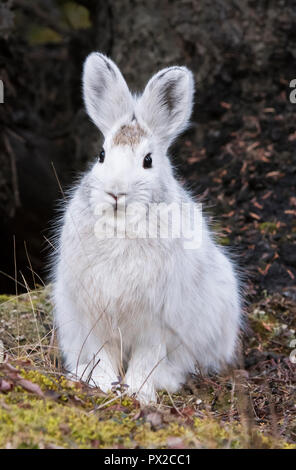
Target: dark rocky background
(239, 155)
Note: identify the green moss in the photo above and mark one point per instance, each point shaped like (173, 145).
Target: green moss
(25, 321)
(48, 422)
(224, 241)
(273, 323)
(77, 15)
(268, 227)
(264, 324)
(39, 35)
(158, 438)
(72, 415)
(217, 435)
(5, 298)
(28, 421)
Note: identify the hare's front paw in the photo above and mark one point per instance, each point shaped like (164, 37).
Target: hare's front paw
(98, 381)
(96, 378)
(144, 391)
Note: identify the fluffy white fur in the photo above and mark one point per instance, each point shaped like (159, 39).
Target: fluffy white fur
(147, 306)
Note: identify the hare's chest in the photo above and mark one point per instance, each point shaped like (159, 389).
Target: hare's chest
(129, 278)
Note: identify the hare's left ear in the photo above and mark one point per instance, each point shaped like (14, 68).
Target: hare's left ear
(106, 94)
(166, 103)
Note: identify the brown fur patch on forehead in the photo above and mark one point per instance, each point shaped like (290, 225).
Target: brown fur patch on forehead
(129, 134)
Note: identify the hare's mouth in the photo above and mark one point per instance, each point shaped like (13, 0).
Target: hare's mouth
(117, 199)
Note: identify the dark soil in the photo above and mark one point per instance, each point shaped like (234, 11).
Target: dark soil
(239, 156)
(241, 161)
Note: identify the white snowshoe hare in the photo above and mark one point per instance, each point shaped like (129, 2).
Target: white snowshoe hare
(150, 308)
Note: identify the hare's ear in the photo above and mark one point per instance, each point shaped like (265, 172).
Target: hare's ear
(106, 94)
(166, 103)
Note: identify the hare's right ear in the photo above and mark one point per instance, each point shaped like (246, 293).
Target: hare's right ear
(166, 103)
(106, 94)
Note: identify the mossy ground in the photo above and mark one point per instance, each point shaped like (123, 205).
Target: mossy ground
(41, 408)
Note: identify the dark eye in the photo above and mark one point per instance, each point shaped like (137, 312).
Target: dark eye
(102, 156)
(147, 162)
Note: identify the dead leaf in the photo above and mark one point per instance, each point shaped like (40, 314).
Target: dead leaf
(253, 146)
(256, 204)
(155, 419)
(225, 105)
(274, 174)
(5, 386)
(290, 212)
(30, 387)
(138, 415)
(175, 442)
(255, 216)
(266, 326)
(290, 274)
(188, 412)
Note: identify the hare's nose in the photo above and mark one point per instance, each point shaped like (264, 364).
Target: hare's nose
(115, 196)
